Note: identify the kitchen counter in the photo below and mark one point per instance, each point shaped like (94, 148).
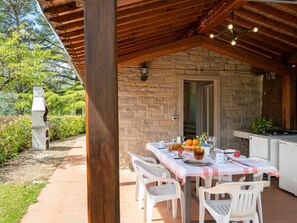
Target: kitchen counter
(266, 145)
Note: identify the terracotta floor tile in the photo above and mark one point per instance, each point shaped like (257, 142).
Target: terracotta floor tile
(64, 199)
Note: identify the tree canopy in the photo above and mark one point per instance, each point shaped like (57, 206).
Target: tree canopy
(30, 55)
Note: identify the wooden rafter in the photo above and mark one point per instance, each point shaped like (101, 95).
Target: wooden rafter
(173, 26)
(282, 40)
(161, 50)
(247, 57)
(213, 18)
(278, 14)
(78, 24)
(150, 7)
(162, 11)
(257, 38)
(194, 11)
(145, 43)
(265, 21)
(73, 33)
(61, 8)
(68, 17)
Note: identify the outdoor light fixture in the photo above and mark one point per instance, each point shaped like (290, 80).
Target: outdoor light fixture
(233, 32)
(143, 72)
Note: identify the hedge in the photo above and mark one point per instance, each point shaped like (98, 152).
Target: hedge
(66, 126)
(16, 134)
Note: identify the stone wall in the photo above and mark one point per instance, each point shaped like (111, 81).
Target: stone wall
(146, 108)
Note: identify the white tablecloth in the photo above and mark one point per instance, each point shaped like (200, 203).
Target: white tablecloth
(183, 170)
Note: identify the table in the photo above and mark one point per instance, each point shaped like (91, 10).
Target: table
(185, 171)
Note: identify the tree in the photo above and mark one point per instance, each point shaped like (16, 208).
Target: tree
(31, 54)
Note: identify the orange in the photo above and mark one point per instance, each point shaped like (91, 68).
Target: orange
(189, 142)
(195, 142)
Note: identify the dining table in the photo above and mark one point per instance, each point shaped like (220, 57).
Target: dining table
(183, 166)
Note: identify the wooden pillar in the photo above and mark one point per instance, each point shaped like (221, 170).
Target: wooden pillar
(102, 111)
(289, 102)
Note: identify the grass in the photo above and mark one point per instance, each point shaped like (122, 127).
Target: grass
(15, 199)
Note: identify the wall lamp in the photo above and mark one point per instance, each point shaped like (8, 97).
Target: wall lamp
(143, 72)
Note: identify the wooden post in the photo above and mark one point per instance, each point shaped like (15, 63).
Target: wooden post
(102, 111)
(289, 102)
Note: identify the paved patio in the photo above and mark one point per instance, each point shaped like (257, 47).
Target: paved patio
(64, 199)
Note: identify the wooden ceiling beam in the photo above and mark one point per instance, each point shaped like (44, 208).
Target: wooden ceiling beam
(72, 51)
(284, 41)
(149, 7)
(197, 10)
(215, 16)
(151, 38)
(79, 24)
(162, 11)
(75, 45)
(123, 3)
(291, 6)
(73, 40)
(268, 22)
(254, 48)
(72, 34)
(180, 24)
(247, 57)
(161, 50)
(250, 47)
(140, 47)
(289, 2)
(273, 11)
(148, 40)
(68, 17)
(61, 8)
(292, 58)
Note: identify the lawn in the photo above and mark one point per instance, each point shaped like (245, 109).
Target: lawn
(15, 199)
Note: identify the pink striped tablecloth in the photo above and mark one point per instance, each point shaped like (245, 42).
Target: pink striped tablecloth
(183, 170)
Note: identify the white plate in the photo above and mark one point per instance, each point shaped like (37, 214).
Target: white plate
(197, 162)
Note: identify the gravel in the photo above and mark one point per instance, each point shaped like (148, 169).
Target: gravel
(33, 166)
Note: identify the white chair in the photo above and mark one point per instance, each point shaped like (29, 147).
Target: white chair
(258, 177)
(240, 207)
(139, 191)
(220, 178)
(169, 189)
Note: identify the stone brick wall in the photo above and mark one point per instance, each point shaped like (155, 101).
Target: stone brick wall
(146, 108)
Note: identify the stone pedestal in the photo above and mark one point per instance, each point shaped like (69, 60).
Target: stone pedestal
(40, 137)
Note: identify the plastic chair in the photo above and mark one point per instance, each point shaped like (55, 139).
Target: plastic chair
(220, 178)
(240, 207)
(139, 191)
(169, 189)
(258, 177)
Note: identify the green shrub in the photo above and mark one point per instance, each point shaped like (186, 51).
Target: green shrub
(14, 137)
(260, 124)
(16, 134)
(66, 126)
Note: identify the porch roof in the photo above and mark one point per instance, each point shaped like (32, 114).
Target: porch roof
(147, 29)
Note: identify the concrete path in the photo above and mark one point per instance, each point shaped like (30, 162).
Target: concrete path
(64, 199)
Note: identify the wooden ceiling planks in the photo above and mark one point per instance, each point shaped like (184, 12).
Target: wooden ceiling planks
(267, 22)
(146, 24)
